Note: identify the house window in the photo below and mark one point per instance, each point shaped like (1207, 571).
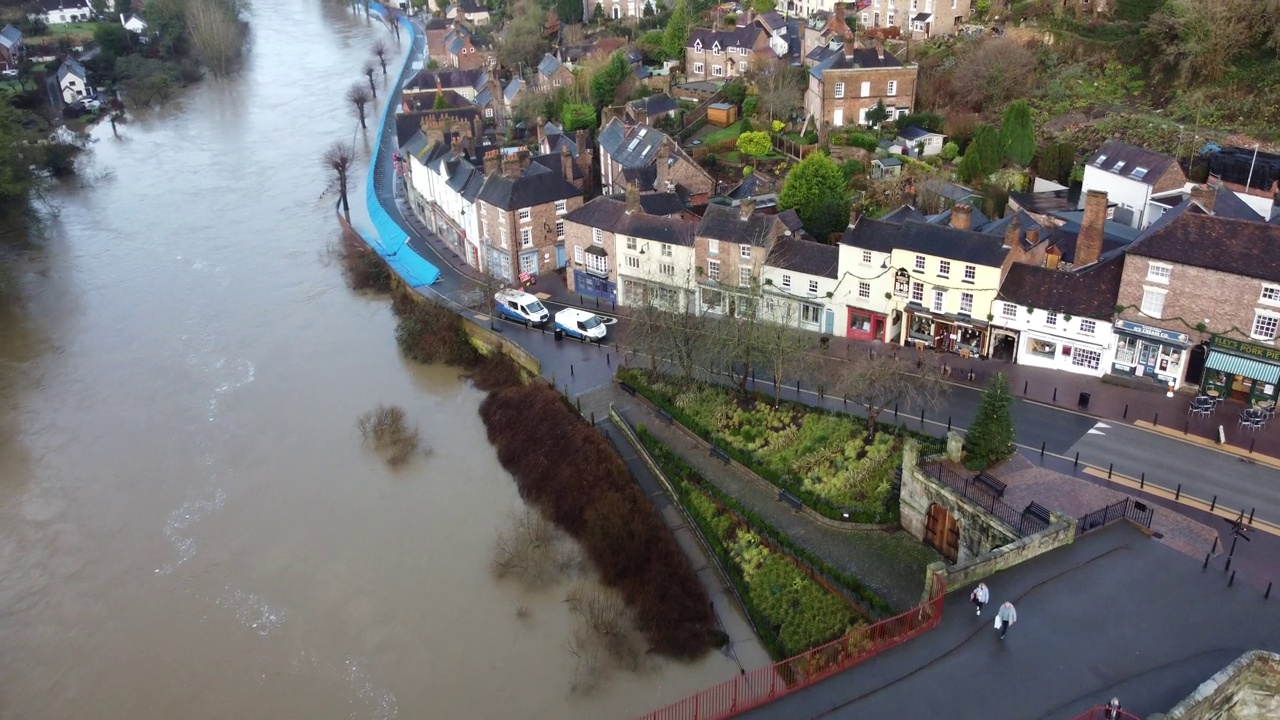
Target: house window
(525, 214)
(502, 235)
(810, 313)
(598, 265)
(597, 237)
(1159, 272)
(970, 273)
(864, 290)
(786, 281)
(865, 19)
(893, 88)
(666, 250)
(813, 286)
(562, 207)
(1051, 319)
(712, 300)
(488, 112)
(919, 263)
(866, 88)
(944, 268)
(866, 258)
(1153, 301)
(839, 90)
(633, 262)
(1270, 295)
(716, 70)
(1264, 326)
(966, 303)
(939, 300)
(697, 68)
(917, 292)
(1088, 327)
(744, 252)
(667, 269)
(713, 247)
(1008, 310)
(744, 276)
(526, 237)
(1086, 358)
(953, 4)
(579, 257)
(631, 243)
(715, 49)
(529, 263)
(560, 229)
(713, 270)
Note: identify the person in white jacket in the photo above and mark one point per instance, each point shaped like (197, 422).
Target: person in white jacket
(980, 597)
(1007, 616)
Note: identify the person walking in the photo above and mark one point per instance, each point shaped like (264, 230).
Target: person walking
(980, 597)
(1005, 617)
(1113, 709)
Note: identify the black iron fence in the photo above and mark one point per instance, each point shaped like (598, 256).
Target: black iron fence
(1023, 522)
(1135, 510)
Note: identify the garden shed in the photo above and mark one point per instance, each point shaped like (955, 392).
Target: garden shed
(722, 114)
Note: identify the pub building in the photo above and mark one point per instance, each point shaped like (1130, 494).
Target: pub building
(1144, 351)
(934, 328)
(1239, 370)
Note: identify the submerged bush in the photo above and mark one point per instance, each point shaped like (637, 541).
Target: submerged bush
(387, 429)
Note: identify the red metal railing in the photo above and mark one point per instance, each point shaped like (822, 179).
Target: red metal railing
(767, 684)
(1099, 712)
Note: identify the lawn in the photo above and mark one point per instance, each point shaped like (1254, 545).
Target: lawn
(792, 611)
(823, 457)
(728, 133)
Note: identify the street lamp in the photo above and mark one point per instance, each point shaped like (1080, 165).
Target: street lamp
(1238, 530)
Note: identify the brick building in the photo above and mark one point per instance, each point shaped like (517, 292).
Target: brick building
(729, 252)
(718, 55)
(553, 74)
(847, 81)
(521, 208)
(652, 160)
(923, 18)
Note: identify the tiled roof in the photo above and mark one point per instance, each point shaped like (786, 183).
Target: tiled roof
(610, 214)
(862, 58)
(555, 142)
(50, 5)
(722, 222)
(631, 148)
(549, 65)
(1236, 247)
(655, 104)
(805, 256)
(1087, 292)
(936, 240)
(70, 67)
(472, 7)
(1129, 161)
(10, 36)
(536, 185)
(447, 79)
(738, 37)
(1228, 204)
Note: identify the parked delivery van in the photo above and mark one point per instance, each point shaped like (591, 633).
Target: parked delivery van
(520, 307)
(580, 324)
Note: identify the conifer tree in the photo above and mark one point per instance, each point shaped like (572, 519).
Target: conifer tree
(990, 438)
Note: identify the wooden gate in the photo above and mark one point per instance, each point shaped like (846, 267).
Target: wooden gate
(942, 533)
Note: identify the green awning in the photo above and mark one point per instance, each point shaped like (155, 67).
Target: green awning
(1240, 365)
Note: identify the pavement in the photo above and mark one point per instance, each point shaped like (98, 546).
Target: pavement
(1113, 614)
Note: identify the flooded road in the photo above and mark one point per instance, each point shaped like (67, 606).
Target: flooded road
(189, 526)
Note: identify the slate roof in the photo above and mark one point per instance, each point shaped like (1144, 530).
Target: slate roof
(71, 67)
(536, 185)
(10, 36)
(447, 79)
(948, 190)
(549, 65)
(1237, 247)
(465, 179)
(1275, 216)
(738, 37)
(1044, 202)
(773, 21)
(555, 142)
(472, 7)
(552, 162)
(1122, 159)
(484, 98)
(913, 133)
(416, 144)
(722, 222)
(1087, 292)
(927, 239)
(512, 89)
(427, 101)
(655, 104)
(977, 219)
(49, 5)
(903, 214)
(631, 148)
(805, 256)
(661, 203)
(610, 214)
(791, 221)
(862, 58)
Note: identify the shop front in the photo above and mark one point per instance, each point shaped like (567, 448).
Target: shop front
(944, 332)
(1241, 370)
(866, 325)
(1150, 353)
(1061, 353)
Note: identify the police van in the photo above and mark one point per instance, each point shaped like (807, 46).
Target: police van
(520, 307)
(580, 324)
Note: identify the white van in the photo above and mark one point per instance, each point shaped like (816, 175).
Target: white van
(520, 307)
(580, 324)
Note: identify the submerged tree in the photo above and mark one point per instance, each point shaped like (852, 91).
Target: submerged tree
(380, 51)
(359, 97)
(369, 69)
(339, 158)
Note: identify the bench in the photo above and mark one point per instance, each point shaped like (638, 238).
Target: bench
(721, 454)
(627, 388)
(991, 483)
(665, 416)
(1036, 510)
(792, 500)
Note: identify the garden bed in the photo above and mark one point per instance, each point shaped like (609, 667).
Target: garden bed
(791, 606)
(822, 457)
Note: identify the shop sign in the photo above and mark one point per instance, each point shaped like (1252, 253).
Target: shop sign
(901, 282)
(1134, 328)
(1240, 347)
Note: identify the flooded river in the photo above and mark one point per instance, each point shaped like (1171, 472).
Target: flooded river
(189, 526)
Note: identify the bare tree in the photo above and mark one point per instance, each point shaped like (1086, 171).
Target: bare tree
(217, 34)
(533, 550)
(339, 158)
(359, 97)
(879, 381)
(995, 72)
(604, 636)
(369, 69)
(780, 88)
(380, 51)
(783, 347)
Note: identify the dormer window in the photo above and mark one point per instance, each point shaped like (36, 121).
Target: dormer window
(1119, 166)
(715, 49)
(697, 46)
(1101, 159)
(1138, 173)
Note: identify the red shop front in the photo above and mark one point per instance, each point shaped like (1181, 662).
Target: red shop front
(865, 325)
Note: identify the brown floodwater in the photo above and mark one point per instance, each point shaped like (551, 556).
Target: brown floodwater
(189, 526)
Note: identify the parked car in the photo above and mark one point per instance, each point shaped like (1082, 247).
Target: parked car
(520, 307)
(91, 104)
(581, 324)
(11, 73)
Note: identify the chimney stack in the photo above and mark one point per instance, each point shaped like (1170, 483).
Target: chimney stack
(745, 208)
(522, 159)
(492, 160)
(566, 163)
(880, 49)
(1089, 241)
(1033, 237)
(1013, 236)
(961, 217)
(542, 133)
(457, 145)
(850, 45)
(664, 169)
(633, 198)
(1204, 195)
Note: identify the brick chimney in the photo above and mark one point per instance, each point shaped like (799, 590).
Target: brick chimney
(456, 145)
(566, 163)
(523, 158)
(1089, 241)
(1204, 195)
(664, 169)
(492, 161)
(511, 165)
(633, 198)
(745, 208)
(962, 217)
(1033, 237)
(850, 45)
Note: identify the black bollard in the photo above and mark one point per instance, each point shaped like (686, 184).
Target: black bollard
(948, 423)
(1042, 443)
(1025, 383)
(1228, 565)
(1076, 464)
(597, 303)
(1232, 581)
(1055, 394)
(593, 417)
(1213, 504)
(1267, 594)
(1178, 495)
(1185, 425)
(1251, 515)
(580, 300)
(1215, 544)
(1142, 483)
(895, 411)
(1251, 442)
(1110, 467)
(1206, 561)
(921, 417)
(607, 361)
(1156, 422)
(570, 369)
(579, 402)
(797, 387)
(1126, 412)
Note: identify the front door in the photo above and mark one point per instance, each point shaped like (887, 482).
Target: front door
(837, 117)
(942, 533)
